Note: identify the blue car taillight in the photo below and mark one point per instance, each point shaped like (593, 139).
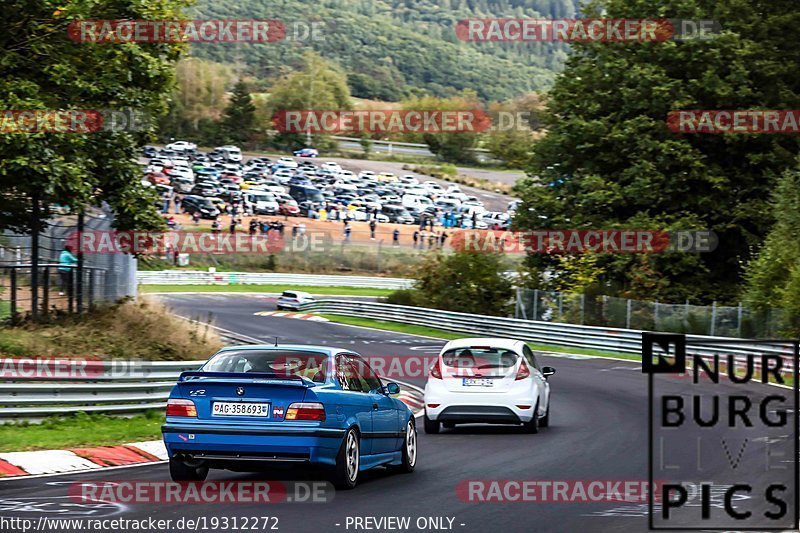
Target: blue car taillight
(178, 407)
(306, 411)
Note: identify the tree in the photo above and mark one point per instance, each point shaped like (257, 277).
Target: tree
(464, 281)
(450, 146)
(608, 159)
(773, 277)
(318, 85)
(197, 101)
(43, 69)
(239, 121)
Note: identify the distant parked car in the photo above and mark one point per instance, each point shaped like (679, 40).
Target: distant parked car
(181, 146)
(204, 206)
(293, 299)
(150, 151)
(306, 152)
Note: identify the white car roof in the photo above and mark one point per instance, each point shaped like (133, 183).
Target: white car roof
(495, 342)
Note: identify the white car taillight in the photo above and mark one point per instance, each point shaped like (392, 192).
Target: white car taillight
(523, 371)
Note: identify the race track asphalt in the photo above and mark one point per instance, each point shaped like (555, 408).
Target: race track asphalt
(599, 431)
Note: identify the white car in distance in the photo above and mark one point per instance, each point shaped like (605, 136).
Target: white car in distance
(489, 381)
(293, 299)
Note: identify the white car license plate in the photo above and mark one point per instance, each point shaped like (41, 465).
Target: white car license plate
(240, 409)
(474, 382)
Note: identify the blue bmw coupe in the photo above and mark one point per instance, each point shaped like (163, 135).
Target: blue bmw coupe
(249, 407)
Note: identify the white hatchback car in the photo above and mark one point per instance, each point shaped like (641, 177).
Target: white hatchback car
(490, 381)
(293, 299)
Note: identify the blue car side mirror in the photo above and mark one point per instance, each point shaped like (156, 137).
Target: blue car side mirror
(392, 388)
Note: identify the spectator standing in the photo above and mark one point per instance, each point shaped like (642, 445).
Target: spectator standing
(165, 202)
(347, 231)
(415, 237)
(253, 227)
(178, 200)
(372, 225)
(232, 225)
(196, 217)
(396, 237)
(215, 227)
(66, 261)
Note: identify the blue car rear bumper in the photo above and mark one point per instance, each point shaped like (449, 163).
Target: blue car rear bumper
(313, 445)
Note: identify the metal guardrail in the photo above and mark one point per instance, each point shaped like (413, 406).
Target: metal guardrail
(199, 277)
(104, 387)
(625, 341)
(120, 387)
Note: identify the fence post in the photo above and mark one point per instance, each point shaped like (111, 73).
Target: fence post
(46, 291)
(535, 304)
(91, 288)
(713, 318)
(655, 315)
(628, 314)
(13, 294)
(79, 281)
(70, 289)
(35, 255)
(739, 321)
(583, 303)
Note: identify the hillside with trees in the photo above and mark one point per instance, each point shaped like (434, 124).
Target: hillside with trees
(391, 49)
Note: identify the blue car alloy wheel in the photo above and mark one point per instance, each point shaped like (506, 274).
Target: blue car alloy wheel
(249, 408)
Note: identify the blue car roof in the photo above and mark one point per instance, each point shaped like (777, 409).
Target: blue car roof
(328, 350)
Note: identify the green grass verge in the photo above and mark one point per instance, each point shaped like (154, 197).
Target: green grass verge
(344, 291)
(80, 430)
(432, 332)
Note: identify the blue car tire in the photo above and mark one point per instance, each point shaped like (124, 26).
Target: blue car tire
(348, 461)
(180, 471)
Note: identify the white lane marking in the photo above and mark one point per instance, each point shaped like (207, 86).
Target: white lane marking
(48, 461)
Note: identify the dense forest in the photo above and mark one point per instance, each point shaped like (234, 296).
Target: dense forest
(391, 49)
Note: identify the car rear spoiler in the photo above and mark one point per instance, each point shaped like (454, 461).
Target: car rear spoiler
(222, 377)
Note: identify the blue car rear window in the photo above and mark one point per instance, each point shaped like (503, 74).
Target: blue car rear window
(308, 364)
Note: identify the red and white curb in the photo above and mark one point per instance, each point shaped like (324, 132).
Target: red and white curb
(16, 464)
(299, 316)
